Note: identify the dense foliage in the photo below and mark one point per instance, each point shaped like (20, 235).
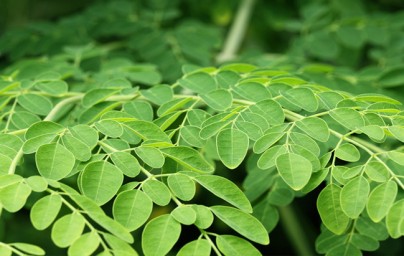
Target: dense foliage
(121, 125)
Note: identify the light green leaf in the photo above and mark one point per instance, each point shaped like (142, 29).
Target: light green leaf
(377, 171)
(327, 240)
(132, 208)
(253, 131)
(347, 152)
(100, 181)
(118, 246)
(364, 242)
(243, 223)
(79, 149)
(374, 132)
(381, 199)
(226, 79)
(394, 219)
(268, 158)
(190, 134)
(29, 248)
(252, 91)
(367, 227)
(53, 87)
(147, 130)
(219, 99)
(173, 106)
(126, 162)
(348, 117)
(303, 98)
(199, 82)
(314, 127)
(305, 141)
(24, 119)
(32, 145)
(391, 77)
(354, 196)
(329, 208)
(344, 249)
(35, 103)
(233, 245)
(86, 134)
(270, 110)
(54, 161)
(199, 247)
(294, 169)
(45, 210)
(95, 96)
(158, 94)
(142, 110)
(196, 117)
(42, 128)
(184, 214)
(182, 186)
(226, 190)
(67, 229)
(14, 196)
(267, 214)
(157, 191)
(397, 157)
(150, 156)
(397, 131)
(109, 128)
(37, 183)
(232, 146)
(267, 141)
(204, 217)
(84, 245)
(189, 158)
(160, 235)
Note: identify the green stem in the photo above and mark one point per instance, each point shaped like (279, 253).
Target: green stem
(237, 31)
(60, 105)
(294, 231)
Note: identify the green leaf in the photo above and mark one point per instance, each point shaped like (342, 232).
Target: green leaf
(142, 110)
(394, 219)
(348, 117)
(118, 246)
(126, 162)
(158, 94)
(182, 186)
(381, 199)
(267, 141)
(29, 248)
(270, 110)
(219, 99)
(329, 208)
(252, 91)
(132, 208)
(57, 87)
(80, 150)
(232, 146)
(226, 190)
(314, 127)
(173, 106)
(391, 78)
(354, 196)
(184, 214)
(85, 244)
(305, 141)
(37, 183)
(397, 157)
(345, 249)
(366, 226)
(86, 134)
(160, 235)
(253, 131)
(35, 103)
(150, 156)
(377, 171)
(32, 145)
(42, 128)
(14, 196)
(45, 210)
(24, 119)
(190, 134)
(95, 96)
(347, 152)
(157, 191)
(302, 97)
(199, 82)
(189, 158)
(54, 161)
(374, 132)
(397, 131)
(204, 217)
(226, 79)
(365, 243)
(67, 229)
(109, 128)
(327, 240)
(294, 169)
(233, 245)
(267, 214)
(100, 181)
(196, 117)
(199, 247)
(268, 158)
(243, 223)
(147, 130)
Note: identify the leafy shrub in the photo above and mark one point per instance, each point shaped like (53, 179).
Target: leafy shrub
(109, 150)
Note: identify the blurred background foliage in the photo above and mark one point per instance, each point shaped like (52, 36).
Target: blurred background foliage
(351, 45)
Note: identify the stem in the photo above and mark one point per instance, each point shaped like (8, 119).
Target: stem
(60, 105)
(237, 31)
(17, 158)
(294, 231)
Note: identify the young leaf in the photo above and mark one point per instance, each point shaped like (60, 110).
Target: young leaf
(294, 169)
(160, 235)
(182, 186)
(243, 223)
(54, 161)
(157, 191)
(45, 210)
(184, 214)
(132, 208)
(219, 99)
(67, 229)
(226, 190)
(233, 245)
(381, 199)
(199, 247)
(329, 208)
(85, 245)
(314, 127)
(127, 163)
(189, 158)
(354, 196)
(100, 181)
(232, 146)
(394, 219)
(347, 152)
